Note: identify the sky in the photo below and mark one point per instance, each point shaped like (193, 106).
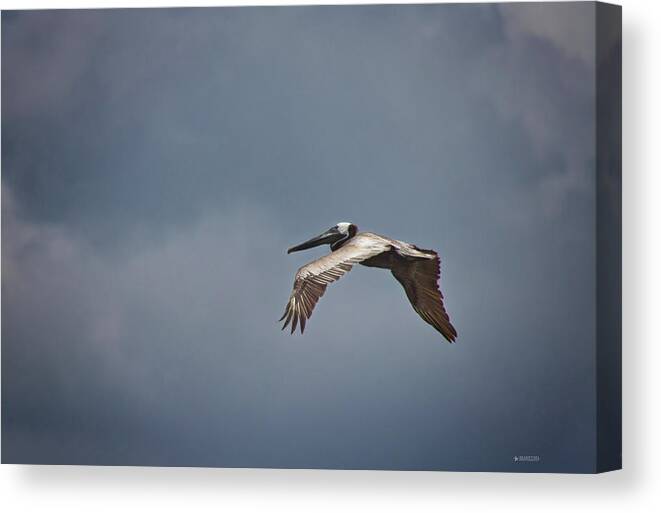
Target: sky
(156, 165)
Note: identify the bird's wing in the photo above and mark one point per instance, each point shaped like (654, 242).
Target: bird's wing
(419, 277)
(312, 279)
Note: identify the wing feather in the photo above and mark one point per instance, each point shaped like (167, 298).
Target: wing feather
(312, 279)
(419, 277)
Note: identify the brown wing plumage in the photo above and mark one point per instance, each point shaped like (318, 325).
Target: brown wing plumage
(312, 279)
(419, 277)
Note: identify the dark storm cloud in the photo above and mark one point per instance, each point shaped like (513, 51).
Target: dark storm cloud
(157, 163)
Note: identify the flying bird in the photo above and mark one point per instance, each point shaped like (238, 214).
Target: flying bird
(418, 271)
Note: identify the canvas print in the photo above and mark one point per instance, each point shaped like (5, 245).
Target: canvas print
(346, 237)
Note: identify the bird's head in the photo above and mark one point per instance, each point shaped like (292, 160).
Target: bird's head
(335, 236)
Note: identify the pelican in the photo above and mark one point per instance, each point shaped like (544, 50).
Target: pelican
(418, 271)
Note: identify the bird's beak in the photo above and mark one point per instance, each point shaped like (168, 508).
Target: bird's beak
(325, 238)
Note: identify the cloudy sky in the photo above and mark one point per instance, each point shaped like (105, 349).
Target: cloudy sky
(156, 164)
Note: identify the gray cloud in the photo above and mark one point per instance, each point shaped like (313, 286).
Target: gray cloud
(562, 24)
(157, 163)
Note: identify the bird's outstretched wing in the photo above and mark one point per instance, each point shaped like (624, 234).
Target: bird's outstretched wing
(312, 279)
(419, 277)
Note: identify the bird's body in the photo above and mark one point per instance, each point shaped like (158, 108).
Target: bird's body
(417, 270)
